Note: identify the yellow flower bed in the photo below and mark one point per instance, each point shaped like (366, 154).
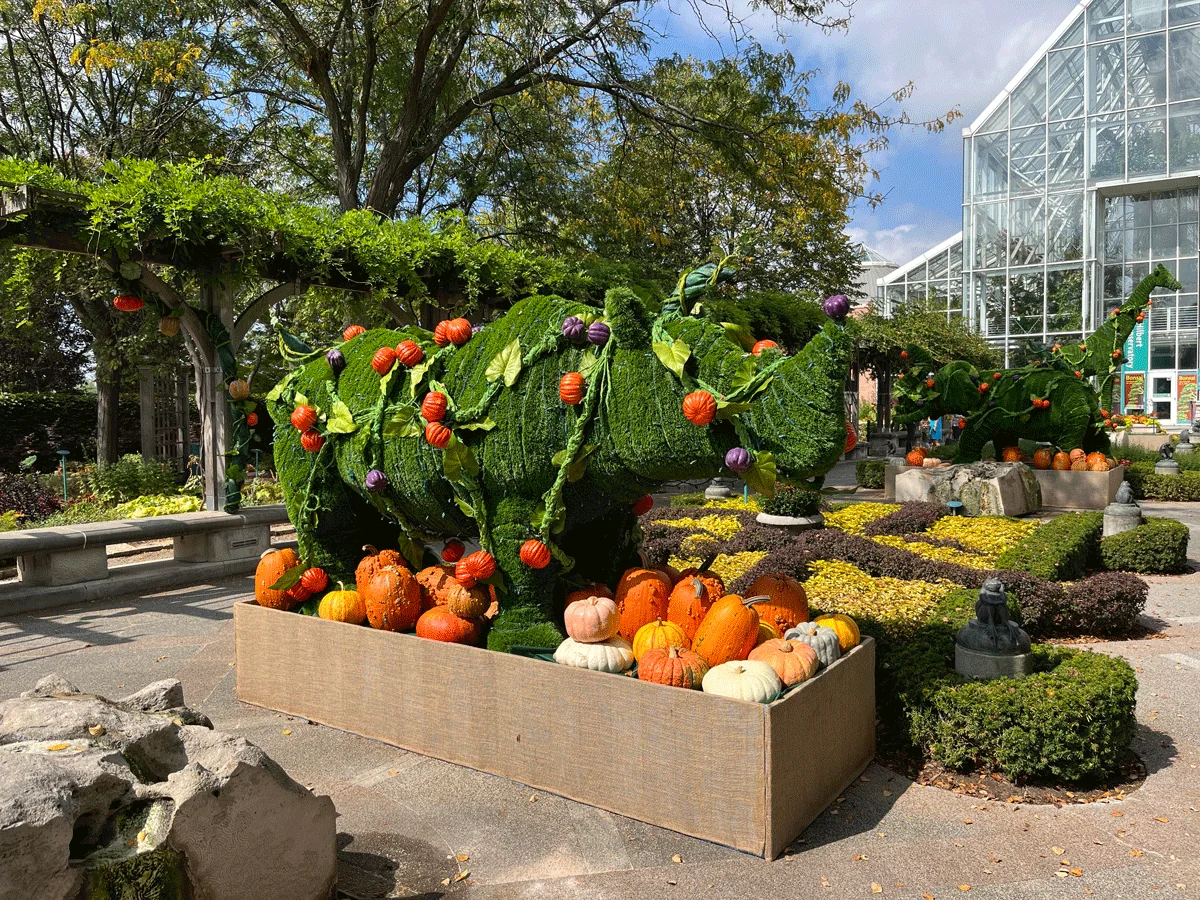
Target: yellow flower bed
(900, 606)
(941, 554)
(986, 535)
(729, 566)
(723, 527)
(696, 543)
(750, 505)
(857, 516)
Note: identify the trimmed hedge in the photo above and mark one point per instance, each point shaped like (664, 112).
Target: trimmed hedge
(1184, 487)
(1071, 721)
(910, 518)
(1059, 550)
(869, 472)
(1158, 546)
(792, 501)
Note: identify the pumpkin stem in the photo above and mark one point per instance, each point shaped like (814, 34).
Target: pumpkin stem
(759, 598)
(370, 550)
(673, 652)
(704, 566)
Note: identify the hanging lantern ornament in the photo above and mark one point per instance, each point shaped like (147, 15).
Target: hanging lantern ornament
(738, 460)
(169, 326)
(351, 332)
(239, 390)
(128, 302)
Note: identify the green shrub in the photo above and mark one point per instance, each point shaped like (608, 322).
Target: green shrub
(1158, 546)
(128, 478)
(262, 492)
(80, 513)
(1184, 487)
(944, 451)
(157, 505)
(1060, 550)
(694, 499)
(792, 501)
(10, 521)
(1071, 721)
(869, 472)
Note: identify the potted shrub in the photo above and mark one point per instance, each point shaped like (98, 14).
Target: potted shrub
(794, 508)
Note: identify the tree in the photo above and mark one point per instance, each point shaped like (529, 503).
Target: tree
(42, 345)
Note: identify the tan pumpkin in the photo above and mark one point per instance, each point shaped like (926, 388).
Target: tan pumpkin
(392, 598)
(374, 561)
(439, 624)
(793, 661)
(343, 606)
(592, 619)
(766, 632)
(1099, 465)
(844, 627)
(658, 634)
(642, 596)
(271, 566)
(673, 666)
(1079, 465)
(728, 631)
(1077, 453)
(689, 603)
(786, 605)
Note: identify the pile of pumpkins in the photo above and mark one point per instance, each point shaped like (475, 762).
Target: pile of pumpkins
(682, 630)
(1076, 460)
(919, 457)
(448, 603)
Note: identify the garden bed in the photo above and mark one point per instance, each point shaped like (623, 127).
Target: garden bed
(746, 775)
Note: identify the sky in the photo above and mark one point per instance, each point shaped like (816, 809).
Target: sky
(958, 54)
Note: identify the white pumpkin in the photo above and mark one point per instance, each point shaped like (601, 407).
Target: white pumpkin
(613, 655)
(743, 679)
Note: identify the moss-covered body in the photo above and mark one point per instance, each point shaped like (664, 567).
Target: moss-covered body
(1059, 400)
(524, 464)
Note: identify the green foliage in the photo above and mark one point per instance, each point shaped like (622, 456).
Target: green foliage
(262, 492)
(130, 477)
(1059, 550)
(10, 521)
(1184, 487)
(792, 501)
(879, 340)
(157, 505)
(1157, 547)
(46, 422)
(791, 320)
(80, 513)
(869, 473)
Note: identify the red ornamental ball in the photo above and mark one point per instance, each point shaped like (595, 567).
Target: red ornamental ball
(453, 551)
(251, 419)
(433, 407)
(643, 506)
(535, 554)
(929, 382)
(459, 331)
(962, 423)
(304, 418)
(983, 387)
(351, 332)
(571, 388)
(312, 441)
(700, 408)
(298, 592)
(904, 354)
(314, 580)
(409, 353)
(128, 302)
(764, 345)
(480, 565)
(383, 360)
(437, 434)
(1078, 374)
(441, 333)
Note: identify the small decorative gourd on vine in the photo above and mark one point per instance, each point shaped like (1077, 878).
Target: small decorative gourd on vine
(541, 435)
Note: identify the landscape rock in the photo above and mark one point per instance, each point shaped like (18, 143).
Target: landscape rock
(141, 798)
(984, 488)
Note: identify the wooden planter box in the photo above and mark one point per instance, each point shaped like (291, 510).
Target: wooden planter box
(752, 777)
(1079, 490)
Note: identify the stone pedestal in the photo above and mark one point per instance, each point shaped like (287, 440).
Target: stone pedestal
(218, 546)
(1123, 514)
(720, 489)
(1166, 467)
(794, 524)
(985, 489)
(58, 567)
(974, 664)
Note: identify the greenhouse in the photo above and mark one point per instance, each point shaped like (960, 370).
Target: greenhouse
(1078, 179)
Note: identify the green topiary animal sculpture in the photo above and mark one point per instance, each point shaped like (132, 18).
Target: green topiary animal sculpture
(520, 462)
(1058, 399)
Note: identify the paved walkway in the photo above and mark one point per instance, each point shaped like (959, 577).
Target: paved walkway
(409, 824)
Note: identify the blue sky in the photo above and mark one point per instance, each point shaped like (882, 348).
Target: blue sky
(958, 53)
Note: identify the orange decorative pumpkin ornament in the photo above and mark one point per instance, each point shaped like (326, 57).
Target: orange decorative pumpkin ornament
(479, 566)
(312, 440)
(314, 580)
(459, 331)
(535, 554)
(433, 407)
(392, 598)
(793, 661)
(438, 435)
(1043, 458)
(441, 333)
(435, 582)
(700, 408)
(1010, 454)
(642, 597)
(439, 624)
(271, 567)
(916, 457)
(383, 360)
(673, 666)
(251, 419)
(351, 332)
(239, 390)
(304, 418)
(571, 388)
(728, 631)
(128, 302)
(453, 550)
(1062, 461)
(786, 605)
(409, 353)
(760, 346)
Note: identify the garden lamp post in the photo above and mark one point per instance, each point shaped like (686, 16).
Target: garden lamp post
(63, 454)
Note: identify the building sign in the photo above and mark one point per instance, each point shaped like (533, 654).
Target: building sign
(1135, 390)
(1185, 407)
(1137, 347)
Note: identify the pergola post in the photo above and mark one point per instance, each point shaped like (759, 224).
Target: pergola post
(146, 411)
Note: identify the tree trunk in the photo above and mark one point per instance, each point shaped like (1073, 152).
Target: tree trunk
(108, 389)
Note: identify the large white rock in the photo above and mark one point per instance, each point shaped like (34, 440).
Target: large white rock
(96, 794)
(984, 488)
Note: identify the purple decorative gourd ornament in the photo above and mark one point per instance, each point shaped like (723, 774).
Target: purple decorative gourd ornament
(376, 481)
(837, 306)
(336, 361)
(598, 334)
(572, 329)
(738, 460)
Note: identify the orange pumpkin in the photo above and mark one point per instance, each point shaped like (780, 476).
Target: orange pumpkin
(392, 598)
(409, 353)
(441, 335)
(699, 408)
(434, 582)
(786, 605)
(535, 554)
(590, 590)
(728, 631)
(479, 566)
(1062, 461)
(459, 331)
(1043, 458)
(271, 566)
(793, 661)
(351, 332)
(433, 407)
(383, 360)
(570, 388)
(1010, 454)
(438, 435)
(689, 603)
(672, 666)
(642, 597)
(844, 627)
(439, 624)
(916, 457)
(1094, 457)
(762, 345)
(1077, 453)
(374, 561)
(671, 572)
(1079, 465)
(1099, 465)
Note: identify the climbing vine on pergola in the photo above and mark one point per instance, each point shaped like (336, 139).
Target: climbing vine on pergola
(145, 221)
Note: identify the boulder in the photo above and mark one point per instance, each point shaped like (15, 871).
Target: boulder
(141, 798)
(984, 488)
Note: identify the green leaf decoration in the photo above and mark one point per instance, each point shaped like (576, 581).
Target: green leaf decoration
(744, 375)
(405, 422)
(540, 513)
(411, 550)
(727, 410)
(761, 475)
(586, 363)
(484, 424)
(459, 461)
(289, 579)
(386, 380)
(309, 607)
(739, 334)
(293, 344)
(300, 400)
(506, 364)
(673, 356)
(130, 270)
(234, 472)
(275, 392)
(467, 508)
(417, 374)
(578, 468)
(341, 420)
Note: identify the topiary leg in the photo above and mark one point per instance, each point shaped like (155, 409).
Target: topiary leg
(527, 612)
